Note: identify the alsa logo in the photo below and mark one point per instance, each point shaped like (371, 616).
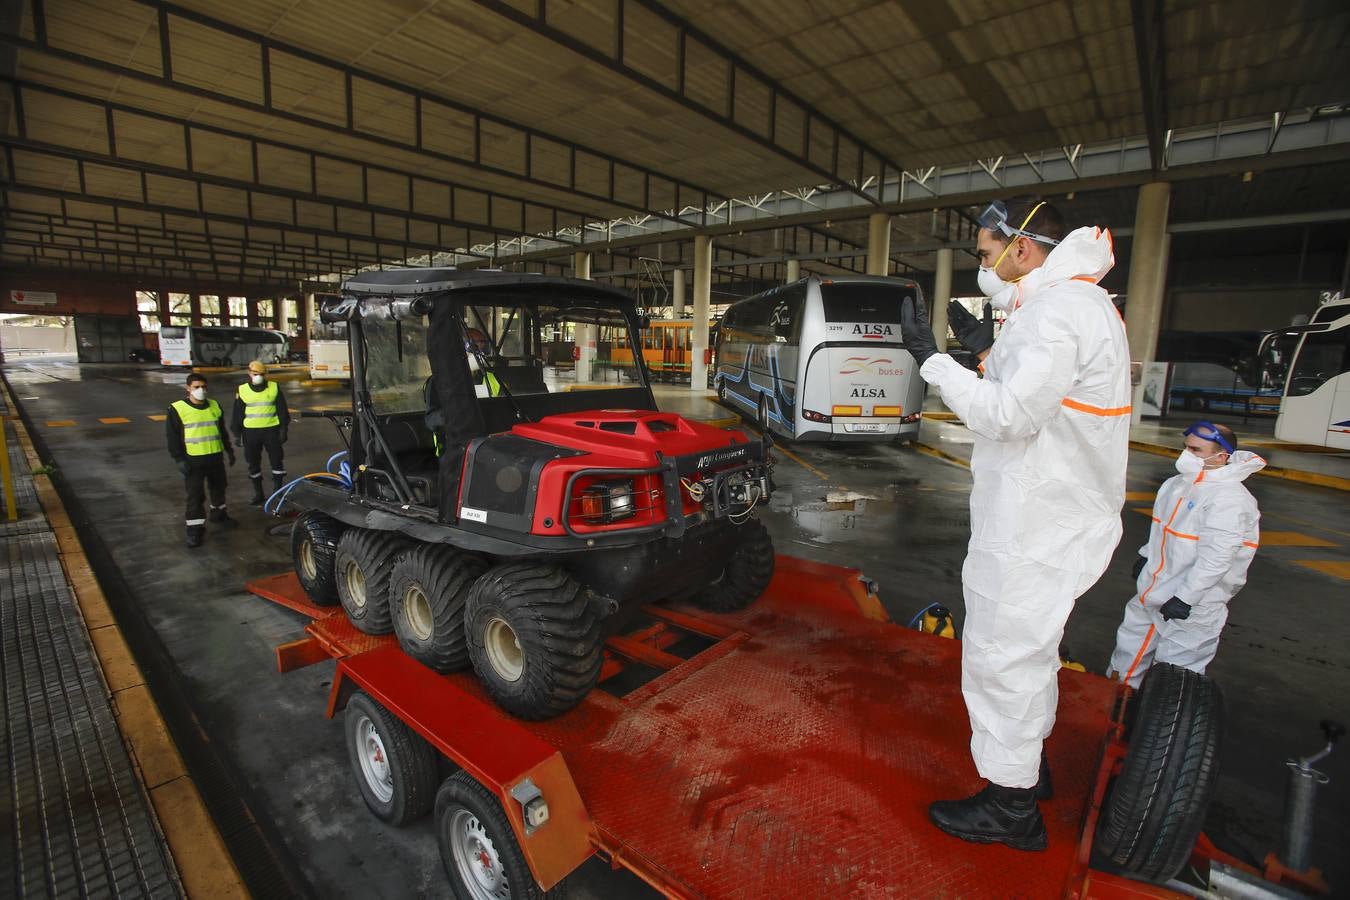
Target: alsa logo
(861, 392)
(863, 365)
(873, 331)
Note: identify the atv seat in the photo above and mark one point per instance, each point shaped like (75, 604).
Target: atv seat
(414, 450)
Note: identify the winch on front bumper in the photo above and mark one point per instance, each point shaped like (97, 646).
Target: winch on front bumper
(727, 482)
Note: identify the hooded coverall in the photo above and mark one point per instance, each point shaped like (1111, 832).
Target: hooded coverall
(1206, 529)
(1051, 423)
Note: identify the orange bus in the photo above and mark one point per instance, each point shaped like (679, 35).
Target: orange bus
(667, 348)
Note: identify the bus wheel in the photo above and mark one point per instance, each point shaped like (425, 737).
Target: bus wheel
(394, 767)
(478, 849)
(762, 413)
(721, 391)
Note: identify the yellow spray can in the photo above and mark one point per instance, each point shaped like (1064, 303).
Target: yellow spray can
(938, 620)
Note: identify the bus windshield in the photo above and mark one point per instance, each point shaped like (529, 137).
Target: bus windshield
(1321, 358)
(862, 302)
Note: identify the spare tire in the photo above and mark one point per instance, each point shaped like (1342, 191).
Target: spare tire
(1156, 806)
(748, 572)
(314, 540)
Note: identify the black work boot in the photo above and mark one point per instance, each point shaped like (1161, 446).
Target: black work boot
(1045, 788)
(194, 537)
(278, 481)
(221, 518)
(996, 814)
(257, 492)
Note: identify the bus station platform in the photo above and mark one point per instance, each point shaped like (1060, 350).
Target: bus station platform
(96, 800)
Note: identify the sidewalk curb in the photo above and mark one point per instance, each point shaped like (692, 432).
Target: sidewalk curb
(205, 867)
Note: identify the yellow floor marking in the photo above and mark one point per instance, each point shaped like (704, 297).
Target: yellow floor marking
(159, 418)
(943, 455)
(1135, 496)
(1292, 539)
(114, 420)
(1316, 526)
(801, 462)
(1338, 568)
(1142, 510)
(61, 423)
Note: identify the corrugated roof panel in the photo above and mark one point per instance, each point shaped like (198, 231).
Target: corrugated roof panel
(224, 201)
(209, 58)
(284, 168)
(126, 34)
(387, 189)
(383, 112)
(160, 190)
(302, 86)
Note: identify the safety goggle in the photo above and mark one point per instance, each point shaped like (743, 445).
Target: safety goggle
(995, 218)
(1206, 431)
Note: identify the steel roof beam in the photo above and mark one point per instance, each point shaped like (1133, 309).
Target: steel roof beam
(420, 99)
(844, 172)
(1150, 44)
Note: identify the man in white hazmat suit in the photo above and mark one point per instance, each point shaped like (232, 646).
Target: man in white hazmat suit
(1206, 528)
(1051, 422)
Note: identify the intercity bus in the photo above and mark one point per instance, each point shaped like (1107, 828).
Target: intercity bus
(210, 345)
(822, 359)
(1316, 405)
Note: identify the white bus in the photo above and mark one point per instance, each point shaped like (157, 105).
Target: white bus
(1316, 405)
(822, 359)
(329, 356)
(210, 345)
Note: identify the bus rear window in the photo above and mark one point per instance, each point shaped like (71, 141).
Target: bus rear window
(847, 302)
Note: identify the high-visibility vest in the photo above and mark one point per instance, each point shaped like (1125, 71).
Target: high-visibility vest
(201, 427)
(494, 386)
(260, 407)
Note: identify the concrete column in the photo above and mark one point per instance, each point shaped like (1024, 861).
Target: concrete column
(587, 336)
(794, 270)
(307, 315)
(878, 244)
(942, 295)
(279, 313)
(677, 294)
(703, 254)
(1147, 282)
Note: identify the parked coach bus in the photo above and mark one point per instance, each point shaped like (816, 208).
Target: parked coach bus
(329, 357)
(1316, 405)
(209, 345)
(822, 359)
(667, 347)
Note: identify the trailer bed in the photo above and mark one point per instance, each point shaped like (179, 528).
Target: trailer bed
(795, 756)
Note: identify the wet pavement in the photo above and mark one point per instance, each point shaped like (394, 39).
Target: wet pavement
(895, 513)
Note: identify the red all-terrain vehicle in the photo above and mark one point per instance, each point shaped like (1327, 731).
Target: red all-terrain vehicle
(511, 493)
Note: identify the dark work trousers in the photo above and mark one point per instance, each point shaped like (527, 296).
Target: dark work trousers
(205, 473)
(255, 440)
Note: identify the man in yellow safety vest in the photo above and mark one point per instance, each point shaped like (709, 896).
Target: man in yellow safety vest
(199, 443)
(261, 420)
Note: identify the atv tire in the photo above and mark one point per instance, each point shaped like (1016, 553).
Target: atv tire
(534, 638)
(1156, 805)
(362, 565)
(314, 540)
(427, 592)
(747, 573)
(394, 767)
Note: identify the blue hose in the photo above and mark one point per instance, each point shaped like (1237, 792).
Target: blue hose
(342, 477)
(918, 617)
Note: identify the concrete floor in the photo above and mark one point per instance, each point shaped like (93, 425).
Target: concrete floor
(1284, 663)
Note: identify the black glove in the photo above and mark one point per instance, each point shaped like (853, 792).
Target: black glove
(915, 330)
(976, 335)
(1138, 567)
(1176, 608)
(183, 467)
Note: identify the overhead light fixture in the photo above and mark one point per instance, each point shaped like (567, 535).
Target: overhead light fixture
(1246, 177)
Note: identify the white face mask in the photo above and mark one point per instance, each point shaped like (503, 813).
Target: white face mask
(199, 394)
(256, 379)
(1190, 464)
(1002, 294)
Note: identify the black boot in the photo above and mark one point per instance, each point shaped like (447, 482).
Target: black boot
(1045, 788)
(194, 537)
(996, 814)
(278, 481)
(221, 519)
(257, 492)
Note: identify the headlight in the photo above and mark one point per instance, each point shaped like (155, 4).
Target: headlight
(606, 502)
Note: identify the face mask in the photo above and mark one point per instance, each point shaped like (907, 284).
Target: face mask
(199, 394)
(256, 379)
(1002, 294)
(1190, 464)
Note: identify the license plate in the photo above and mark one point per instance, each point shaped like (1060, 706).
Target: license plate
(866, 428)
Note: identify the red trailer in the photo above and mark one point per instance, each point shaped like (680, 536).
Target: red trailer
(790, 749)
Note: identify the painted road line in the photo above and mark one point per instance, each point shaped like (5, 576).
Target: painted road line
(929, 450)
(61, 423)
(1292, 539)
(1337, 568)
(115, 420)
(1142, 510)
(1136, 496)
(158, 417)
(939, 416)
(801, 462)
(1317, 479)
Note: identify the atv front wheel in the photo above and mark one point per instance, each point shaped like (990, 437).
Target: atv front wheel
(363, 563)
(534, 639)
(427, 593)
(314, 540)
(747, 573)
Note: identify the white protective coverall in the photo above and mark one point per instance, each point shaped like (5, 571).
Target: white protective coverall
(1206, 528)
(1051, 422)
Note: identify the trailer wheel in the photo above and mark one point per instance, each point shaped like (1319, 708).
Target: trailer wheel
(314, 540)
(427, 592)
(534, 639)
(479, 849)
(394, 767)
(1156, 805)
(362, 565)
(746, 575)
